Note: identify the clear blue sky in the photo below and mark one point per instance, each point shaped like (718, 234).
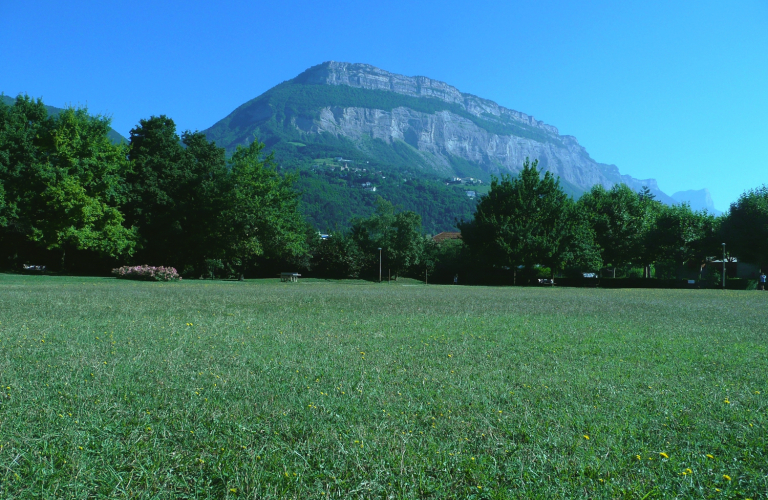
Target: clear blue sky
(677, 91)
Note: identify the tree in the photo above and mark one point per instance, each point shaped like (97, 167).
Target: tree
(338, 256)
(618, 219)
(261, 217)
(681, 236)
(524, 221)
(23, 127)
(175, 192)
(63, 174)
(745, 228)
(398, 234)
(79, 207)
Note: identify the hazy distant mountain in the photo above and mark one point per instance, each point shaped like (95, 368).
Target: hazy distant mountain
(113, 135)
(699, 199)
(363, 113)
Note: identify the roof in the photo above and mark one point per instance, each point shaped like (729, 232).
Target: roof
(447, 235)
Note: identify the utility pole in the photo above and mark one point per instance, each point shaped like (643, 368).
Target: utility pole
(723, 266)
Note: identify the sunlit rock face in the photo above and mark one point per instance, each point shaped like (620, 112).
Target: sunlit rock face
(468, 130)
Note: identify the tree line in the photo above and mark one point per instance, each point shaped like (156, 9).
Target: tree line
(527, 228)
(75, 201)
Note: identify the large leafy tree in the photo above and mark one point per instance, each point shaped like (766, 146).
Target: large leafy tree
(175, 194)
(23, 129)
(338, 256)
(79, 207)
(397, 233)
(745, 228)
(525, 221)
(197, 210)
(682, 236)
(63, 175)
(619, 220)
(261, 216)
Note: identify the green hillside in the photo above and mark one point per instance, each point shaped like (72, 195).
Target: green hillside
(113, 135)
(331, 197)
(282, 117)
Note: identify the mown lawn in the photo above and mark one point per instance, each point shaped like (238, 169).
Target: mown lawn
(357, 390)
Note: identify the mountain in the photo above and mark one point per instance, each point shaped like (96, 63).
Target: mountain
(113, 135)
(698, 199)
(363, 113)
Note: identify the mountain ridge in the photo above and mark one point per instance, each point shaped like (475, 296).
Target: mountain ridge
(432, 124)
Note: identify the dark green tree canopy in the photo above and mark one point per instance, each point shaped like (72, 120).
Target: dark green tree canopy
(525, 221)
(261, 215)
(397, 233)
(682, 235)
(745, 228)
(60, 181)
(618, 219)
(174, 194)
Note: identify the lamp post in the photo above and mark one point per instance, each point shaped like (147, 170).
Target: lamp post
(380, 263)
(723, 266)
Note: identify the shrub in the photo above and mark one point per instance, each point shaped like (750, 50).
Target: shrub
(147, 273)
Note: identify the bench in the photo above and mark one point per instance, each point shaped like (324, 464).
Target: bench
(32, 269)
(290, 277)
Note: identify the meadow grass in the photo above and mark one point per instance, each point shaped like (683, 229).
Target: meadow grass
(257, 389)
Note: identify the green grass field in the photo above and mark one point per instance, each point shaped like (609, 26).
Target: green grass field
(215, 389)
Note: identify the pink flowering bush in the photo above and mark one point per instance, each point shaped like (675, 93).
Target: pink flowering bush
(147, 273)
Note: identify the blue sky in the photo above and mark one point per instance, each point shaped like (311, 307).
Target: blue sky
(674, 91)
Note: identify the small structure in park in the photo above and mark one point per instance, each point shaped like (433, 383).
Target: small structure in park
(32, 268)
(290, 277)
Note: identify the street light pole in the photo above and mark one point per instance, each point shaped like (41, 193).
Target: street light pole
(723, 266)
(380, 264)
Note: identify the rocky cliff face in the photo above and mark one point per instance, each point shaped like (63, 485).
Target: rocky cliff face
(370, 77)
(698, 199)
(445, 130)
(440, 137)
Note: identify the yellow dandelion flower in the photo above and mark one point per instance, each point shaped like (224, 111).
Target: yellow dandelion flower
(726, 477)
(709, 456)
(586, 437)
(664, 455)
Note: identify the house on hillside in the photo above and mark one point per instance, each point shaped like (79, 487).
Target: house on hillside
(446, 235)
